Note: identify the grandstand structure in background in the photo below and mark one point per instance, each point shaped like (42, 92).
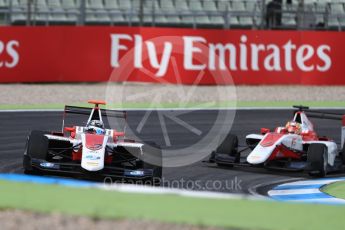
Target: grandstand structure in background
(227, 14)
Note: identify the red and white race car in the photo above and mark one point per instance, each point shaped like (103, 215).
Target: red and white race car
(92, 150)
(294, 147)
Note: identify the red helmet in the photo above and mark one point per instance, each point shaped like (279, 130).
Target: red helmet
(293, 127)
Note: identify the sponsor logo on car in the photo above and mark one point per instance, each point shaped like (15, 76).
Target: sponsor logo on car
(49, 165)
(92, 163)
(92, 157)
(95, 147)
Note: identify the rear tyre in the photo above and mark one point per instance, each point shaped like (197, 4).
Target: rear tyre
(37, 148)
(152, 159)
(317, 157)
(229, 147)
(342, 155)
(212, 158)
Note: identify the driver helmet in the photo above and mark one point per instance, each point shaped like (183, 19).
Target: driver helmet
(293, 127)
(97, 126)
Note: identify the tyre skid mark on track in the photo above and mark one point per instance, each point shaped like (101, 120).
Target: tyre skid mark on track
(306, 191)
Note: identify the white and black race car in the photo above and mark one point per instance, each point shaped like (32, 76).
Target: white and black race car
(92, 150)
(293, 147)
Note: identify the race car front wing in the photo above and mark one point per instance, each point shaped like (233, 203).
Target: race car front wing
(76, 169)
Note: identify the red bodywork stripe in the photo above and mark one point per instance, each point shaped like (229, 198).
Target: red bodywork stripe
(270, 139)
(309, 136)
(282, 152)
(94, 141)
(116, 135)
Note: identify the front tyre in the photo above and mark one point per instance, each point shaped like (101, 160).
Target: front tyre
(229, 147)
(342, 154)
(37, 148)
(317, 157)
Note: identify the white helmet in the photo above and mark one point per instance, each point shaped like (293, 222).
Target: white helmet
(96, 123)
(97, 126)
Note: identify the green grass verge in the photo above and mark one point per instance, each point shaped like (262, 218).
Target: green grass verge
(335, 189)
(243, 214)
(239, 104)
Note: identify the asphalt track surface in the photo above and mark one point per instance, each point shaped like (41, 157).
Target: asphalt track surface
(15, 126)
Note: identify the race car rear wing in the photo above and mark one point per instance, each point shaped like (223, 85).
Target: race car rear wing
(87, 111)
(330, 116)
(91, 112)
(325, 115)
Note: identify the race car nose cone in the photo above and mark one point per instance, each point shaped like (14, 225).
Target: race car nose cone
(260, 154)
(254, 159)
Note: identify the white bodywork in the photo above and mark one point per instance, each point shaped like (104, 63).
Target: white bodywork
(306, 125)
(261, 153)
(93, 160)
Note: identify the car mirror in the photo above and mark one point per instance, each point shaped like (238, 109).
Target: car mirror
(119, 134)
(265, 130)
(69, 129)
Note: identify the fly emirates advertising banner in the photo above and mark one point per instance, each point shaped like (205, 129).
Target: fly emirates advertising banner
(170, 55)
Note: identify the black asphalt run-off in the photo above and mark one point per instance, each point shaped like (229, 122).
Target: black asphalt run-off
(15, 126)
